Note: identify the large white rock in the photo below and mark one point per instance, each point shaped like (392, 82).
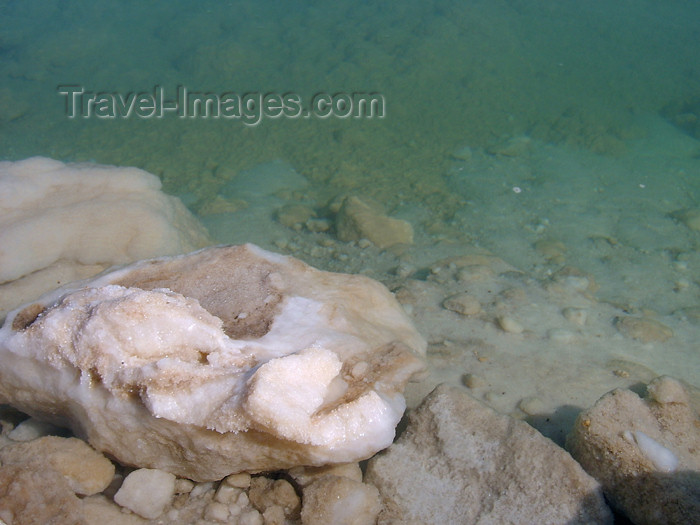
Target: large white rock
(61, 222)
(229, 359)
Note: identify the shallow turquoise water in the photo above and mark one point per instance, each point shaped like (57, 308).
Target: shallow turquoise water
(452, 74)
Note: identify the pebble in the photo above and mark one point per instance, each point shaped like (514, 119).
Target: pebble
(86, 470)
(146, 492)
(576, 282)
(463, 153)
(403, 270)
(227, 494)
(561, 335)
(690, 217)
(552, 250)
(577, 316)
(200, 489)
(251, 517)
(265, 493)
(690, 314)
(665, 389)
(30, 429)
(360, 369)
(510, 325)
(318, 225)
(462, 303)
(643, 329)
(473, 381)
(474, 273)
(292, 215)
(492, 397)
(681, 285)
(531, 405)
(217, 511)
(183, 486)
(274, 516)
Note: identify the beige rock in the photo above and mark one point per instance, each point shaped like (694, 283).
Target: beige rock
(230, 359)
(561, 335)
(510, 325)
(643, 329)
(318, 225)
(458, 461)
(463, 303)
(227, 494)
(575, 315)
(37, 496)
(463, 153)
(294, 215)
(358, 220)
(86, 471)
(551, 249)
(32, 428)
(98, 510)
(250, 517)
(265, 493)
(274, 516)
(511, 147)
(183, 486)
(690, 217)
(217, 512)
(475, 273)
(691, 313)
(531, 405)
(241, 480)
(62, 222)
(473, 381)
(304, 476)
(341, 501)
(645, 452)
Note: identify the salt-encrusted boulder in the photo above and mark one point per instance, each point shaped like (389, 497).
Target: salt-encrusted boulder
(645, 452)
(460, 462)
(62, 222)
(229, 359)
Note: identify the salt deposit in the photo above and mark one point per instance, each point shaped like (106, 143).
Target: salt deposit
(662, 458)
(61, 222)
(262, 361)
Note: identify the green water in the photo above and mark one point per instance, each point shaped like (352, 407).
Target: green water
(452, 73)
(586, 78)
